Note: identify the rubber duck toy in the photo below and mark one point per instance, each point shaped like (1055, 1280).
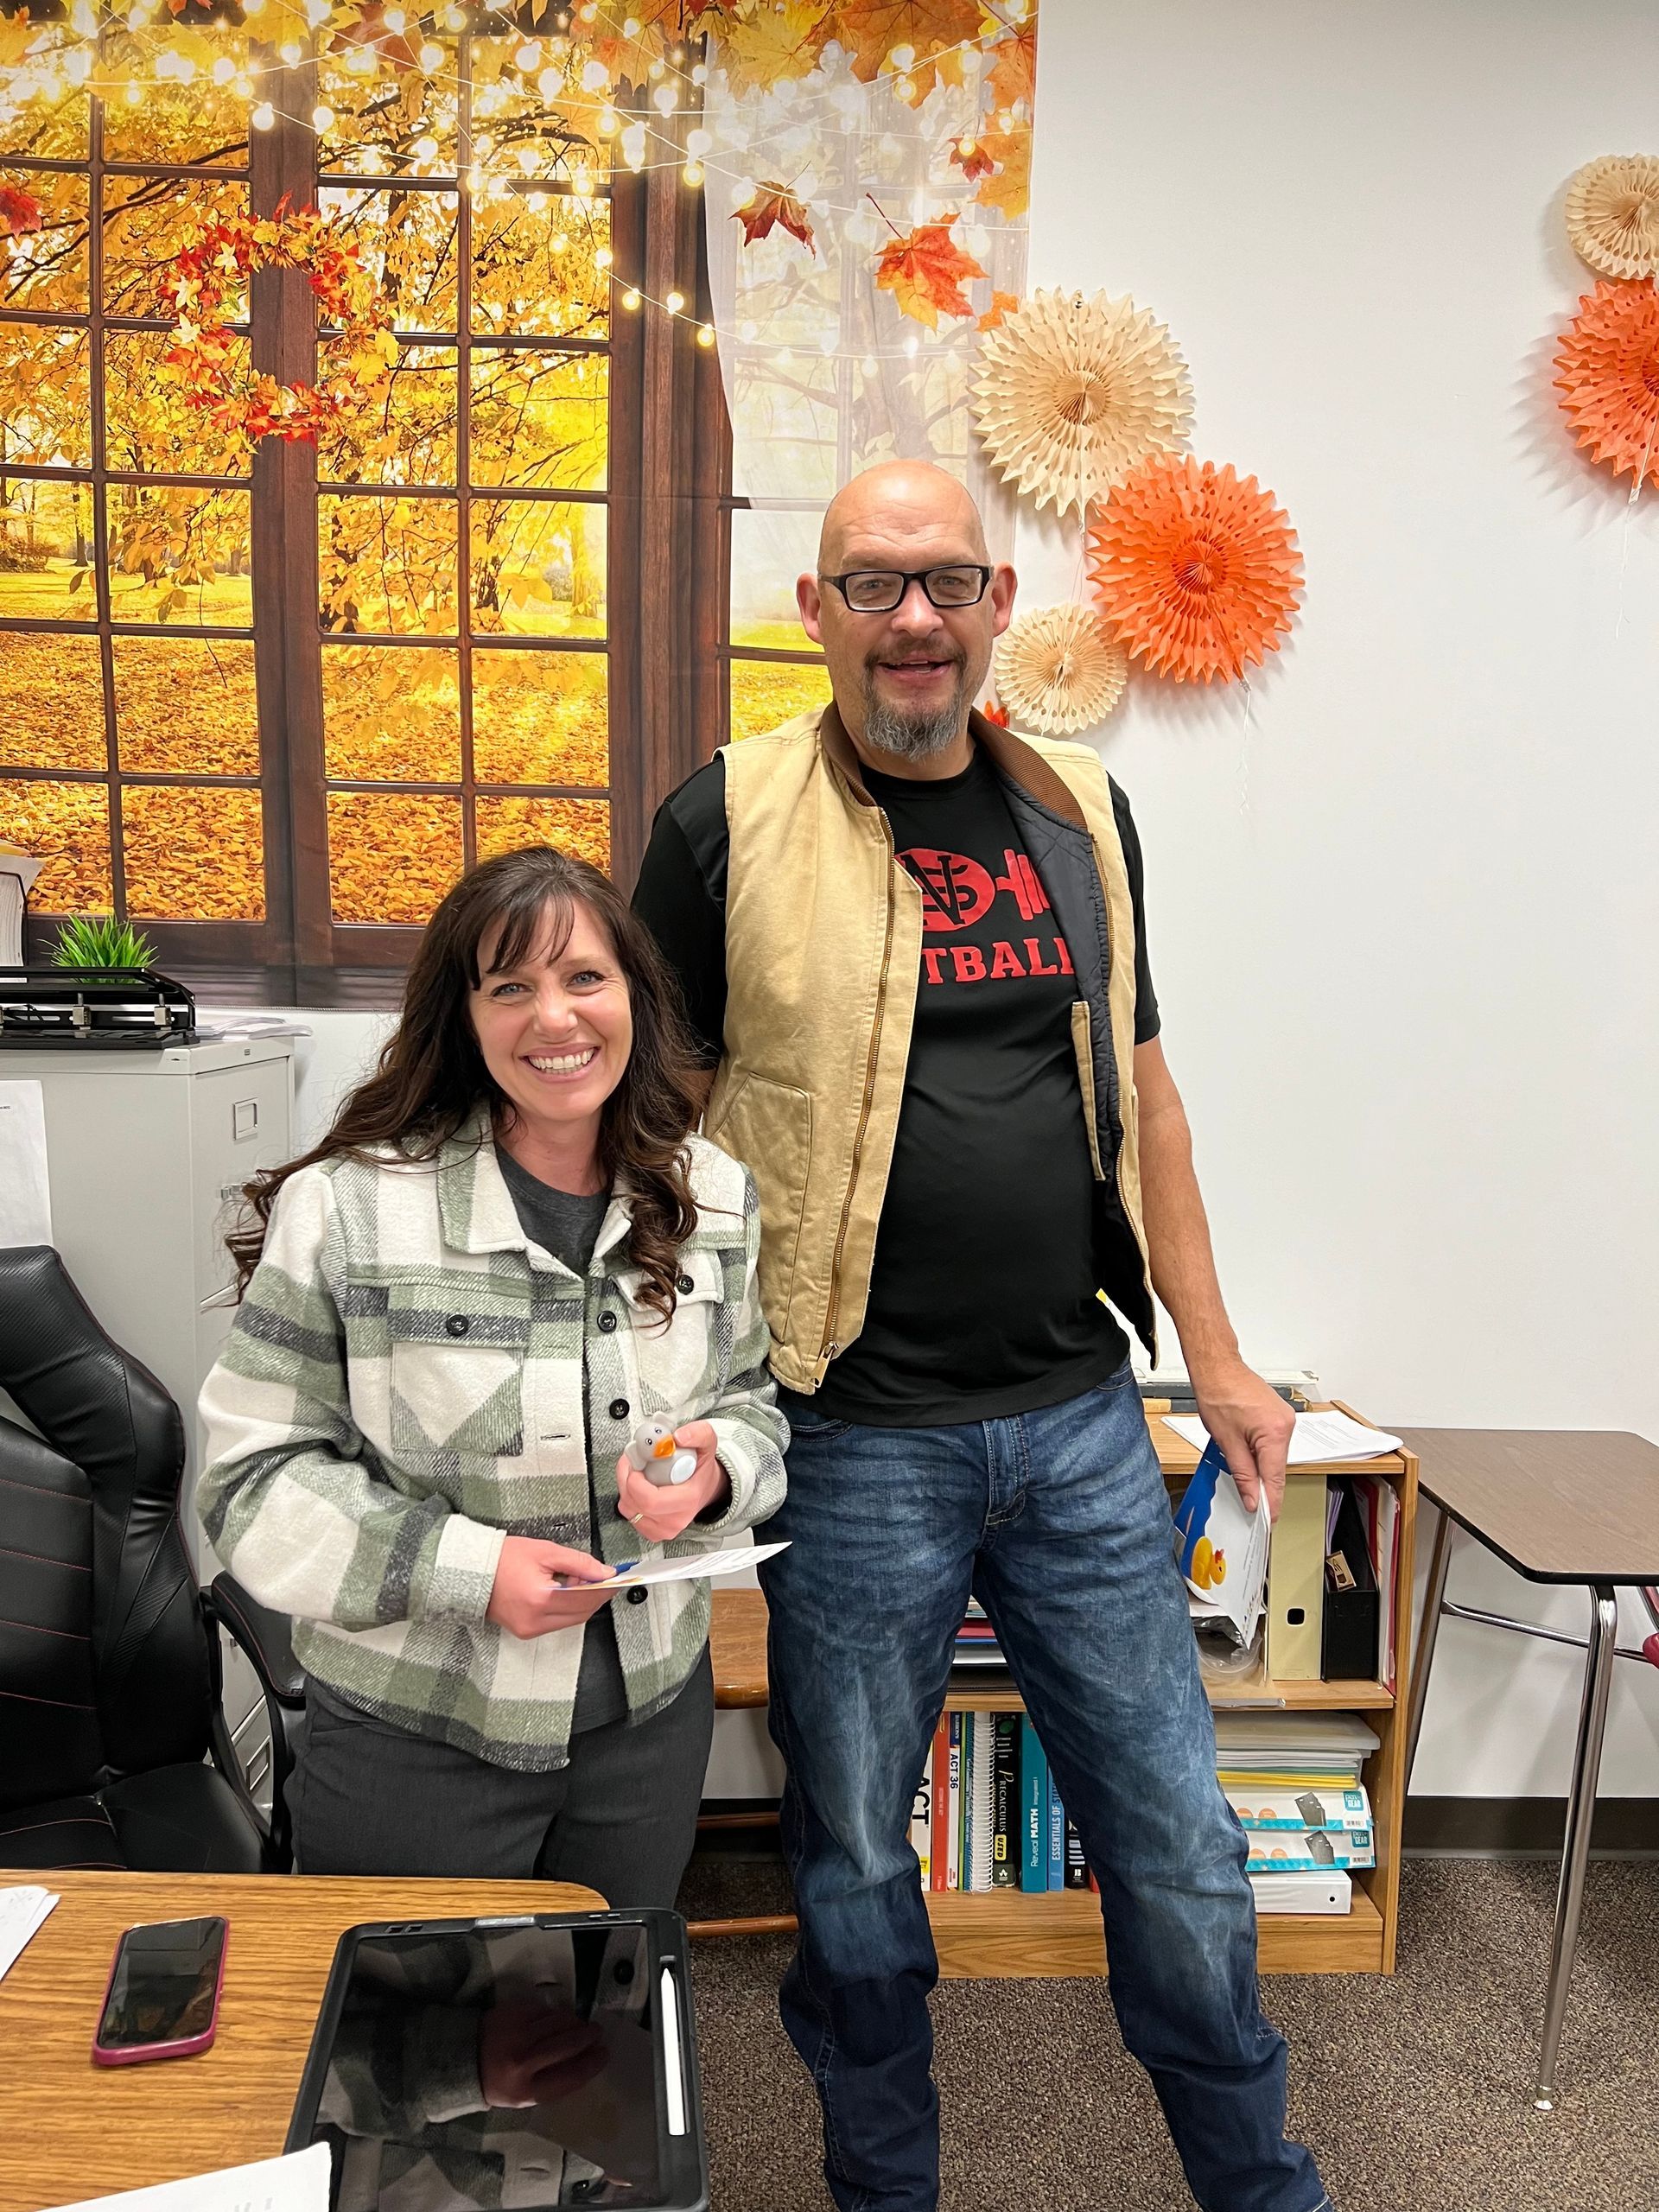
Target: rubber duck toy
(653, 1452)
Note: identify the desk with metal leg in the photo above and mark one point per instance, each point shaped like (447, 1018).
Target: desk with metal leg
(1558, 1506)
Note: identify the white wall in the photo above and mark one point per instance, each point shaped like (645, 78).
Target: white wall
(1403, 911)
(1403, 903)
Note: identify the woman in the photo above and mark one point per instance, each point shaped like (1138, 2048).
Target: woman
(507, 1253)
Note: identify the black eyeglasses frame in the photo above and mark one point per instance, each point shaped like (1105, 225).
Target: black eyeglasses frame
(908, 577)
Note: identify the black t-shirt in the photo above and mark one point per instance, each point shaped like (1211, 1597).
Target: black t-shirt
(982, 1291)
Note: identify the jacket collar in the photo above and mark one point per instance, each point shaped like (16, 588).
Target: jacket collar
(475, 1205)
(1021, 764)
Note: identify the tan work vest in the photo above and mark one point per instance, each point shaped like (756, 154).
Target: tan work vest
(823, 937)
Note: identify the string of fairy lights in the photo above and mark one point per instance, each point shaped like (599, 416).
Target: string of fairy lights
(553, 63)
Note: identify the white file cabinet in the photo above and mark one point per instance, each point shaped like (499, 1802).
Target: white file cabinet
(146, 1155)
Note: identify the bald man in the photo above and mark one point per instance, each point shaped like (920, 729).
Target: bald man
(913, 948)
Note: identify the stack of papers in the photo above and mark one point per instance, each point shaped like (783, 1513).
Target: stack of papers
(1318, 1438)
(21, 1911)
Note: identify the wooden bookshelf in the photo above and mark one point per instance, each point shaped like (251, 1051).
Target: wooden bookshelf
(1008, 1933)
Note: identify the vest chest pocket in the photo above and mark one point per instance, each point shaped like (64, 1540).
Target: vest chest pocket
(679, 1364)
(457, 1375)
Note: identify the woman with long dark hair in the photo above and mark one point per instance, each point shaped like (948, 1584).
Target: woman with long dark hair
(507, 1253)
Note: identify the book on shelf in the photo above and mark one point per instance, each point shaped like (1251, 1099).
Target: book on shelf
(1005, 1800)
(953, 1806)
(1034, 1806)
(1077, 1866)
(939, 1867)
(1056, 1838)
(921, 1823)
(983, 1803)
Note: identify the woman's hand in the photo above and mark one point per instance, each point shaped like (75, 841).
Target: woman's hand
(528, 1599)
(663, 1510)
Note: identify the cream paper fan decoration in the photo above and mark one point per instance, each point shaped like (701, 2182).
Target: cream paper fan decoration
(1613, 214)
(1074, 393)
(1058, 671)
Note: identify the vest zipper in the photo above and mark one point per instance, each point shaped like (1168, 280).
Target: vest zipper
(830, 1347)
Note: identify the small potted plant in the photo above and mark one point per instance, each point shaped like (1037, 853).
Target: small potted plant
(100, 941)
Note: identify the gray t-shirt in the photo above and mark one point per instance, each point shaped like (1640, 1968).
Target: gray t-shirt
(568, 1225)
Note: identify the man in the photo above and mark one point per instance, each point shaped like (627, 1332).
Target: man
(913, 946)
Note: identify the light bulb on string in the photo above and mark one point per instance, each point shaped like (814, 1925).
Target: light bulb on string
(674, 302)
(631, 299)
(133, 93)
(706, 334)
(263, 116)
(323, 120)
(693, 174)
(292, 53)
(602, 257)
(430, 58)
(607, 125)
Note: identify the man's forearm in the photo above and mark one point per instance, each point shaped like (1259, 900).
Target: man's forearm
(1178, 1239)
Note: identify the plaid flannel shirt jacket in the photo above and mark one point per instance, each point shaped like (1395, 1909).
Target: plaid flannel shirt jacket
(409, 1380)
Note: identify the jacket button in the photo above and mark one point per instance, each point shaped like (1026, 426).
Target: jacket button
(637, 1596)
(457, 1325)
(607, 1323)
(618, 1409)
(685, 1286)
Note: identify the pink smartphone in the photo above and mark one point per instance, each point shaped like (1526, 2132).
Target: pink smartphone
(163, 2000)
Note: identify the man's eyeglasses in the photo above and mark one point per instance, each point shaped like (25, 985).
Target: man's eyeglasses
(878, 591)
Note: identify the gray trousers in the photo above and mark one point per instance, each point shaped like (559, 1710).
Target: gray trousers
(369, 1798)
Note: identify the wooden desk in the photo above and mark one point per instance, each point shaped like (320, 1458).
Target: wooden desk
(69, 2129)
(1557, 1505)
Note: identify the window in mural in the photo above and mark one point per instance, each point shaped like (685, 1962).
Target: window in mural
(184, 739)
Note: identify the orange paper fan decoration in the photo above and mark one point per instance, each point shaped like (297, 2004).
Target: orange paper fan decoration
(1197, 568)
(1609, 380)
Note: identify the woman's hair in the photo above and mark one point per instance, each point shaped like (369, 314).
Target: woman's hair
(431, 1076)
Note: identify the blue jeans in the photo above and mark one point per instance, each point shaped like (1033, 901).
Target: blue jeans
(1059, 1522)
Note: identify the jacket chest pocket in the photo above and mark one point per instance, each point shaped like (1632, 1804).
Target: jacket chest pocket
(679, 1366)
(457, 1376)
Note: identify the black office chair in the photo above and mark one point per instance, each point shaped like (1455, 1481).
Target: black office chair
(110, 1677)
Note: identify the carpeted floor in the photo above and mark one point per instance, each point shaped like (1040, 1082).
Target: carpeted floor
(1415, 2092)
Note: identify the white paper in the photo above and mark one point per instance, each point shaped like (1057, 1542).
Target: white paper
(689, 1570)
(25, 1200)
(1317, 1437)
(298, 2183)
(21, 1911)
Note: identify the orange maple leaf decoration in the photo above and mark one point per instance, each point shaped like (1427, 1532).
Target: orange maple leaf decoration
(925, 271)
(1609, 380)
(1003, 303)
(774, 206)
(20, 212)
(1196, 570)
(934, 32)
(1012, 76)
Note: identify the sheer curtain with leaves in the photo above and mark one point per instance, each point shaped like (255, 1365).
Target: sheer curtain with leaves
(865, 196)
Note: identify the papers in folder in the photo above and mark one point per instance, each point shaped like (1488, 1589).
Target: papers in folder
(1318, 1438)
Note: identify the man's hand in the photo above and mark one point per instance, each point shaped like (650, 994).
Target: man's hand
(528, 1599)
(1252, 1424)
(663, 1510)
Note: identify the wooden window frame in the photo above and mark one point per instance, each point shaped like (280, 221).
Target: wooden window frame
(662, 590)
